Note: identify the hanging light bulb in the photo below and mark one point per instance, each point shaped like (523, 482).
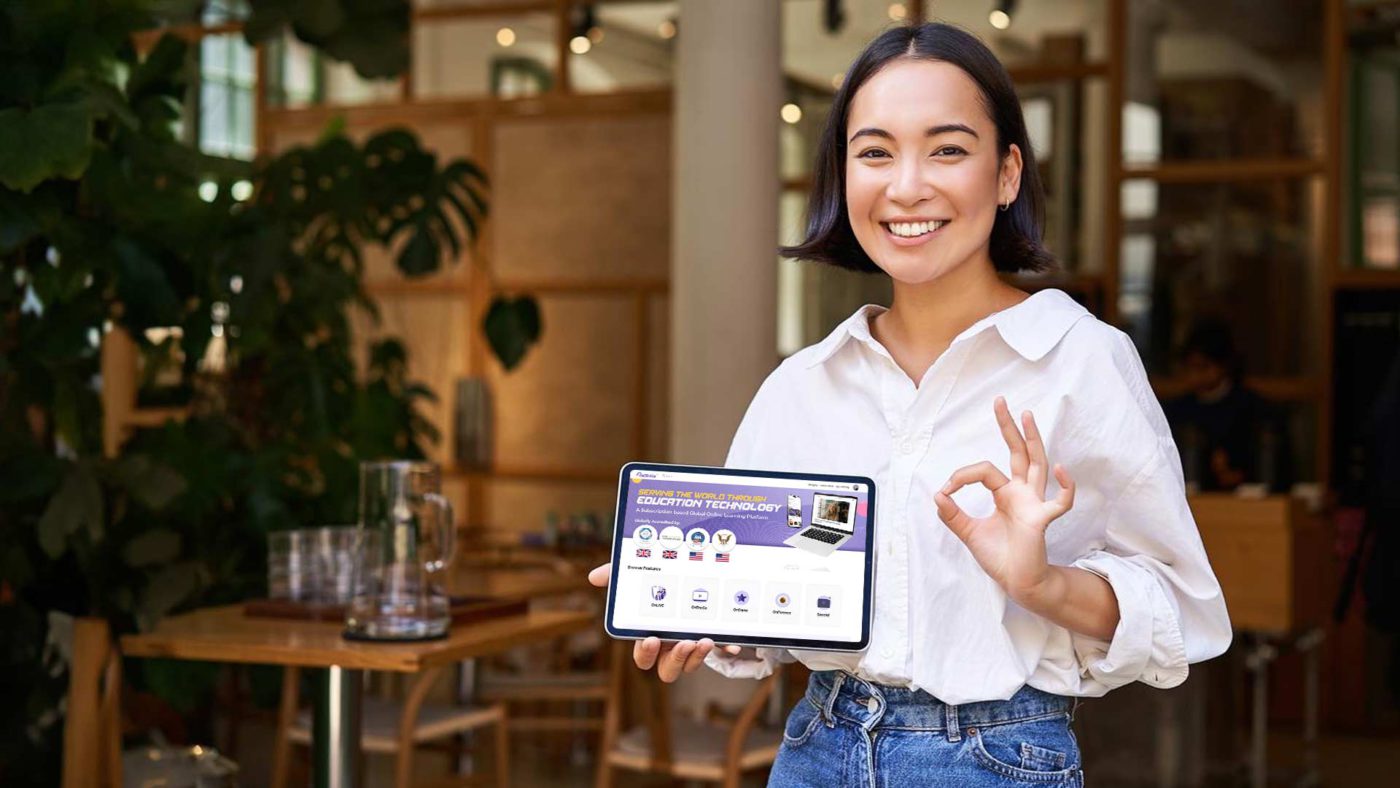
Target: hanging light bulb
(1000, 18)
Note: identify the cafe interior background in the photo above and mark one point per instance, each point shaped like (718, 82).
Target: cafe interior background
(229, 276)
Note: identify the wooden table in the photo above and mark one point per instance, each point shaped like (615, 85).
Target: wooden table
(225, 634)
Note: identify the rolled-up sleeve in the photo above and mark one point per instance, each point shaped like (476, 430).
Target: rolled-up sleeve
(734, 667)
(1171, 609)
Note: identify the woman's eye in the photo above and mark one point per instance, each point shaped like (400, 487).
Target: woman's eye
(951, 150)
(873, 153)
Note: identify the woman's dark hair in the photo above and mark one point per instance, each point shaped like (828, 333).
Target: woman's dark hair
(1016, 233)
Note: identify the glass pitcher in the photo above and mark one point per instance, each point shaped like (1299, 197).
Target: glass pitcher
(407, 537)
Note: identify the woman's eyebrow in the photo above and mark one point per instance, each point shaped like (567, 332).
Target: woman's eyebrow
(933, 131)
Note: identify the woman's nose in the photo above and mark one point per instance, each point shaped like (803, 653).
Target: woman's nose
(909, 184)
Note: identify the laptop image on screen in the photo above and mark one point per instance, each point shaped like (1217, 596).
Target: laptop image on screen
(833, 522)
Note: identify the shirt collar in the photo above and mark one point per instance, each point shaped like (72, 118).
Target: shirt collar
(1031, 328)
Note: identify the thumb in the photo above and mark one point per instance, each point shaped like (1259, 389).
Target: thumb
(600, 575)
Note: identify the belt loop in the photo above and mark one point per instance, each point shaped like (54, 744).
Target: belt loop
(950, 722)
(831, 699)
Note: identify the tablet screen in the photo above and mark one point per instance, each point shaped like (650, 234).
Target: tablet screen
(762, 558)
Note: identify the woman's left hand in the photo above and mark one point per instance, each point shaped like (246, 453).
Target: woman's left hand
(1009, 543)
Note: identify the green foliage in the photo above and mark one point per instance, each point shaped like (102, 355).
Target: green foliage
(371, 35)
(102, 226)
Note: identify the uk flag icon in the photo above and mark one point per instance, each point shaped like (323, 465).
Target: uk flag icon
(643, 552)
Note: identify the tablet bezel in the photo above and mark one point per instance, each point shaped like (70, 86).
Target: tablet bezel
(813, 644)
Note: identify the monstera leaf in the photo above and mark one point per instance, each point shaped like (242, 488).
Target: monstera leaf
(48, 141)
(512, 326)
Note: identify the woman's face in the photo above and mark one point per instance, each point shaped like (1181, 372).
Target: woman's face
(923, 177)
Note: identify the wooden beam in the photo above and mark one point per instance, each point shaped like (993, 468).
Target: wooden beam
(455, 110)
(582, 287)
(1226, 170)
(1113, 143)
(562, 80)
(1334, 45)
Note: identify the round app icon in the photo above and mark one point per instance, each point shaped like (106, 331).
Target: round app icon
(782, 600)
(671, 536)
(741, 598)
(645, 533)
(697, 538)
(723, 540)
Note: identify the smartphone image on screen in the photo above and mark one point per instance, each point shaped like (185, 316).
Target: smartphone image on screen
(794, 511)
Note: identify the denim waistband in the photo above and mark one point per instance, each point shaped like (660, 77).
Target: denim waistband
(839, 694)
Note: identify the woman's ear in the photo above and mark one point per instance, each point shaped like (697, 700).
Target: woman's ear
(1009, 180)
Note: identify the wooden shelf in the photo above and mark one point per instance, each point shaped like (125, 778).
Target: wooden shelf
(1225, 170)
(1367, 279)
(582, 286)
(434, 286)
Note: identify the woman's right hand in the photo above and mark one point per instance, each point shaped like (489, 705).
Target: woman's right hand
(670, 659)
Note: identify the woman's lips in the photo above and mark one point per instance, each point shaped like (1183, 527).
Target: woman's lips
(900, 240)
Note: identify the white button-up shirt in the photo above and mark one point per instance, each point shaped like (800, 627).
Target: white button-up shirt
(940, 623)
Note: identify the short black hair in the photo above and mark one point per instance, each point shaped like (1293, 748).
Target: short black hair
(1212, 339)
(1016, 233)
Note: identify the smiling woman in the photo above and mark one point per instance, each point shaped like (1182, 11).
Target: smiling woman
(1026, 558)
(908, 125)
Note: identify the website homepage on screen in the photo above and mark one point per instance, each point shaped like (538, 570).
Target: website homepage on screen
(742, 555)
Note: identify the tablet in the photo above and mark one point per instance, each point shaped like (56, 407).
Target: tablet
(758, 558)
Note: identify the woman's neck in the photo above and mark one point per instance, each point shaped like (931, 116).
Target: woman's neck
(924, 318)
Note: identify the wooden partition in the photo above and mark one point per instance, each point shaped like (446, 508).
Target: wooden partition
(580, 219)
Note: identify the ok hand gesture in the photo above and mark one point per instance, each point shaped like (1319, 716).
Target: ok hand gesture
(1009, 543)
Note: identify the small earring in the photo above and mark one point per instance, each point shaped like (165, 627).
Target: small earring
(1006, 205)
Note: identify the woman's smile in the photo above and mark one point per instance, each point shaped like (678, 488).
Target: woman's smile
(913, 232)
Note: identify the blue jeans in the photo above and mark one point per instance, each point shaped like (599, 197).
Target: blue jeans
(849, 732)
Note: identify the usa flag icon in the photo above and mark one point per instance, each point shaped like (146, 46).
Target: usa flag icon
(697, 556)
(668, 553)
(643, 552)
(723, 558)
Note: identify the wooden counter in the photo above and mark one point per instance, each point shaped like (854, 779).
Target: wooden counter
(1270, 556)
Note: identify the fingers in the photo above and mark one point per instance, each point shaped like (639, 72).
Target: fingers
(1035, 447)
(1064, 499)
(600, 575)
(1020, 459)
(952, 515)
(733, 651)
(685, 657)
(989, 475)
(645, 652)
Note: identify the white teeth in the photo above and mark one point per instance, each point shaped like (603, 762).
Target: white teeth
(913, 229)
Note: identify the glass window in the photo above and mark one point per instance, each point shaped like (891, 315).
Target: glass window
(472, 57)
(629, 46)
(1226, 80)
(1236, 253)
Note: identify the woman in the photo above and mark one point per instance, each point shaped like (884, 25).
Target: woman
(989, 621)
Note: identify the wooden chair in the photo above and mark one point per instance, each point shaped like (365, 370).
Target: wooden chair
(92, 736)
(394, 728)
(680, 747)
